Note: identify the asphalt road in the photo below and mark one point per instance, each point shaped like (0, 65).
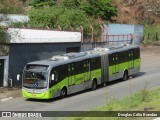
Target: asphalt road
(148, 77)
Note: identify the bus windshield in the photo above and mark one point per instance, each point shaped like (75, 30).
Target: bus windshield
(35, 80)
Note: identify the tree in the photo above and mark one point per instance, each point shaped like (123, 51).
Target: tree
(99, 8)
(4, 39)
(4, 36)
(42, 17)
(64, 17)
(70, 14)
(10, 6)
(95, 8)
(42, 3)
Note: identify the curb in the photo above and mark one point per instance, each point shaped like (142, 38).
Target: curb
(6, 99)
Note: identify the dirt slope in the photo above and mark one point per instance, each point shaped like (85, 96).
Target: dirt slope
(137, 11)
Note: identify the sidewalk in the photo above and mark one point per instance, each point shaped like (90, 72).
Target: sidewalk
(9, 93)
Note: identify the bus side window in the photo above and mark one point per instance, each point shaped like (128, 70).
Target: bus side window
(110, 60)
(53, 77)
(95, 63)
(136, 53)
(125, 56)
(120, 56)
(60, 73)
(86, 65)
(79, 67)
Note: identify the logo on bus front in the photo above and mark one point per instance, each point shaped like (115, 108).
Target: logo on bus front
(36, 84)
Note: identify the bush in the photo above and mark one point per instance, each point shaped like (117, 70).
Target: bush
(71, 14)
(151, 33)
(4, 37)
(8, 6)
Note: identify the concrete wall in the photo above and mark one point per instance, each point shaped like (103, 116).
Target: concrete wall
(20, 54)
(25, 35)
(123, 33)
(9, 18)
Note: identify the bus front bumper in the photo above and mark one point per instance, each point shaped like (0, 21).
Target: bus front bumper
(33, 95)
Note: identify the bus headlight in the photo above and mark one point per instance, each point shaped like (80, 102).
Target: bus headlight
(43, 90)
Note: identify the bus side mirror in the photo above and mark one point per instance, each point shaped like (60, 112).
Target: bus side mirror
(18, 77)
(52, 77)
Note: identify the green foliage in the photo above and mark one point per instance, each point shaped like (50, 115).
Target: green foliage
(43, 17)
(7, 6)
(42, 3)
(19, 24)
(71, 14)
(132, 102)
(144, 100)
(64, 17)
(151, 33)
(74, 18)
(11, 10)
(71, 3)
(4, 36)
(99, 8)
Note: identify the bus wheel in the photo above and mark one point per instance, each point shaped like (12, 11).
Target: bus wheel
(125, 75)
(63, 93)
(94, 85)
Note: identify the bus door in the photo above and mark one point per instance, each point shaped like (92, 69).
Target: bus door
(115, 68)
(131, 59)
(86, 70)
(71, 76)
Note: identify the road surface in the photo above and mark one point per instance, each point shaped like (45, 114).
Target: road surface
(148, 77)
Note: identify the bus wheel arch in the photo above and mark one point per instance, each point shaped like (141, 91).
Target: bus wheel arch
(94, 84)
(125, 75)
(63, 92)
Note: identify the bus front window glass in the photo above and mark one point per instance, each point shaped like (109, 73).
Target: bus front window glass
(35, 80)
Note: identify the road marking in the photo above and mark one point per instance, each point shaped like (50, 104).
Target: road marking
(6, 99)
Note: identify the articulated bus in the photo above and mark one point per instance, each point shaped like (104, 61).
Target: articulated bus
(68, 73)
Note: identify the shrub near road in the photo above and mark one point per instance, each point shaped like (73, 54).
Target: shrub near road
(144, 100)
(152, 34)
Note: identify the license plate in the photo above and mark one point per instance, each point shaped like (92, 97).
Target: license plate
(34, 95)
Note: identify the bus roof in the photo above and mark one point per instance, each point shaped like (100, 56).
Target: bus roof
(65, 58)
(113, 49)
(75, 56)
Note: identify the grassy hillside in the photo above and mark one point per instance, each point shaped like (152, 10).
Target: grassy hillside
(152, 34)
(144, 100)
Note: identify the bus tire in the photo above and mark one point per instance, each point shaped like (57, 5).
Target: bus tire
(125, 75)
(63, 92)
(94, 85)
